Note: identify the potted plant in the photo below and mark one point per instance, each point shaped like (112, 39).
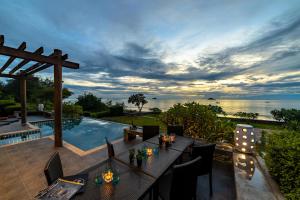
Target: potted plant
(160, 139)
(131, 155)
(167, 141)
(139, 158)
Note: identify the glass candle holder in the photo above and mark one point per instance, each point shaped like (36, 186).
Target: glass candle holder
(107, 175)
(98, 180)
(149, 151)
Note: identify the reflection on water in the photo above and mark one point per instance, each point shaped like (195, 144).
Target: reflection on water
(231, 106)
(246, 164)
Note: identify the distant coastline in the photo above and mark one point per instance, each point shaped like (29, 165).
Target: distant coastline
(231, 106)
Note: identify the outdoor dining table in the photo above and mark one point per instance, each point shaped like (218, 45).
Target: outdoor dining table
(154, 165)
(180, 144)
(135, 181)
(133, 184)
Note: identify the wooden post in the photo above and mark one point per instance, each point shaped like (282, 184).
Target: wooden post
(58, 99)
(23, 100)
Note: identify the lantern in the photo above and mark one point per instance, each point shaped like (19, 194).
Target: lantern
(107, 175)
(244, 138)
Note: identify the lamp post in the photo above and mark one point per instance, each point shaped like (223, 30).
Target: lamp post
(244, 138)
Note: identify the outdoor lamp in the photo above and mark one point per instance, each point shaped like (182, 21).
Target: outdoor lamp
(245, 163)
(244, 138)
(107, 175)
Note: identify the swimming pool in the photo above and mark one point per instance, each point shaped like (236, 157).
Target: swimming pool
(86, 133)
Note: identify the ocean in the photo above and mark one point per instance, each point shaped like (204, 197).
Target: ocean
(230, 106)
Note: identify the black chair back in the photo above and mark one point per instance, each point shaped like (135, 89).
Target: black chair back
(110, 149)
(206, 152)
(184, 180)
(53, 169)
(150, 131)
(178, 130)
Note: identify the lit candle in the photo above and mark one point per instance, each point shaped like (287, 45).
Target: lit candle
(107, 176)
(149, 151)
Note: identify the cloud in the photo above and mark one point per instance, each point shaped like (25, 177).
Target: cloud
(170, 48)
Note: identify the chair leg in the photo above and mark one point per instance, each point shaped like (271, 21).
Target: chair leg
(210, 184)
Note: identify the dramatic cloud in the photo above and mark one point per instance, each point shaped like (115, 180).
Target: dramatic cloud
(229, 49)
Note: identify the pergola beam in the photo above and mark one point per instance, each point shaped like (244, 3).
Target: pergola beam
(43, 62)
(8, 51)
(25, 61)
(12, 58)
(9, 76)
(43, 67)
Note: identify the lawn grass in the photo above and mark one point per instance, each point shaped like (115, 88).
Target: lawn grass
(150, 119)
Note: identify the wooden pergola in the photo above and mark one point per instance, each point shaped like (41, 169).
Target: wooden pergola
(42, 62)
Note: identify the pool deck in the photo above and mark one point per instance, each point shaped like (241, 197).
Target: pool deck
(17, 126)
(22, 165)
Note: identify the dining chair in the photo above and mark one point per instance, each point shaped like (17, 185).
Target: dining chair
(110, 148)
(53, 170)
(181, 183)
(150, 131)
(206, 151)
(178, 130)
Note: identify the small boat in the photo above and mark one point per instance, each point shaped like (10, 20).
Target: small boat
(154, 98)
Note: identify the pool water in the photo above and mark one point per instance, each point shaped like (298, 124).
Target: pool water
(86, 133)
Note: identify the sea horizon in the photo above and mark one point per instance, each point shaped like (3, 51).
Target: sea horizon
(230, 106)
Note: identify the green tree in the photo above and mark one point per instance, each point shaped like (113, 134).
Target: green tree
(72, 110)
(138, 100)
(247, 115)
(290, 117)
(91, 103)
(38, 91)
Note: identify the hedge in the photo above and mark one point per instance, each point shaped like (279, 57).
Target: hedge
(11, 108)
(100, 114)
(283, 161)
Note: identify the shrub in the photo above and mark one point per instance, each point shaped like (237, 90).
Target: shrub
(72, 110)
(100, 114)
(9, 102)
(155, 110)
(86, 114)
(247, 115)
(9, 110)
(282, 158)
(198, 120)
(290, 117)
(117, 109)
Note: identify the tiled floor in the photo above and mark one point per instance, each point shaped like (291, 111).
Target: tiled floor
(17, 126)
(21, 169)
(22, 165)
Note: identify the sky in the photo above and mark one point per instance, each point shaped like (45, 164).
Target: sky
(167, 49)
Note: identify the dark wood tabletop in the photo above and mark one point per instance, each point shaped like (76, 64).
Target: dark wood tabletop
(154, 165)
(180, 144)
(133, 183)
